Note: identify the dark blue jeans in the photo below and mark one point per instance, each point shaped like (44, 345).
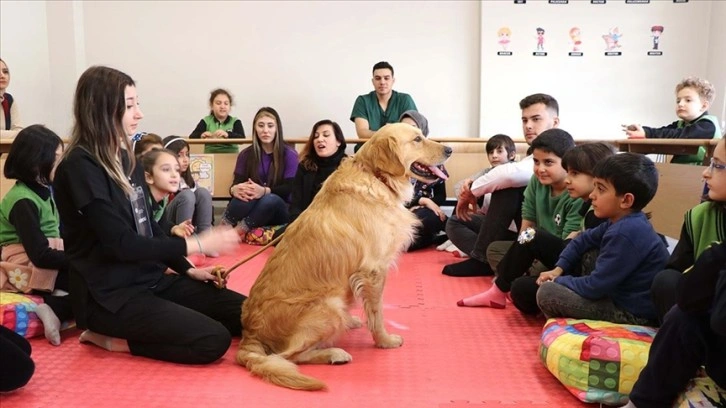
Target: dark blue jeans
(270, 209)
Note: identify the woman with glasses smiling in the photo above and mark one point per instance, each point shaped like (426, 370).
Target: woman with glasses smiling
(693, 333)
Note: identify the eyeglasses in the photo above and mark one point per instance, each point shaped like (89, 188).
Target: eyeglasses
(716, 166)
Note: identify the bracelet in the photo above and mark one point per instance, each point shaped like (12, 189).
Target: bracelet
(199, 243)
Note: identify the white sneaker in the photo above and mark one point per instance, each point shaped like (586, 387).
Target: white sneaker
(444, 246)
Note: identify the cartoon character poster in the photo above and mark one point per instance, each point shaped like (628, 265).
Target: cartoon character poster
(540, 50)
(612, 41)
(575, 42)
(202, 168)
(504, 35)
(655, 32)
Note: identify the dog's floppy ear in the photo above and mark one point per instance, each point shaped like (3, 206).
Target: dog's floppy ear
(386, 156)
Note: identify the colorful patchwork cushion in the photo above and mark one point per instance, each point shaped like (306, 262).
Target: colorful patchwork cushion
(596, 361)
(600, 362)
(17, 313)
(261, 235)
(702, 392)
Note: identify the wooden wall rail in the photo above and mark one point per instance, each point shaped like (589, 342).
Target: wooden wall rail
(678, 191)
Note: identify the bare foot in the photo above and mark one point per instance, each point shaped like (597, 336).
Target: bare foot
(107, 342)
(51, 323)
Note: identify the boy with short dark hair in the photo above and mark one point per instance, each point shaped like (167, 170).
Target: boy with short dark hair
(631, 252)
(500, 150)
(383, 105)
(547, 205)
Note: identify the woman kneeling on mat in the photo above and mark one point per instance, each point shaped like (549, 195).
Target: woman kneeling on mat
(118, 253)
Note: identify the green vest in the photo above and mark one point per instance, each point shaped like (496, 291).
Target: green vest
(704, 225)
(158, 210)
(697, 159)
(214, 125)
(47, 214)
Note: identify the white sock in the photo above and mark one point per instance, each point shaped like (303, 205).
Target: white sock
(51, 323)
(445, 245)
(451, 248)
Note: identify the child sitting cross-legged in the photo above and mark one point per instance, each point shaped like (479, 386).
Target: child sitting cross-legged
(161, 173)
(540, 244)
(631, 253)
(547, 205)
(33, 259)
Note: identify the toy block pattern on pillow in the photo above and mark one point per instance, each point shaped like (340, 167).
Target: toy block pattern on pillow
(596, 361)
(17, 313)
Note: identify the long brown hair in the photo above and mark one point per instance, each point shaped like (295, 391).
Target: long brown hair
(254, 152)
(308, 155)
(98, 108)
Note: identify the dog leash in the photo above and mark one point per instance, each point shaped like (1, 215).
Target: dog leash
(222, 274)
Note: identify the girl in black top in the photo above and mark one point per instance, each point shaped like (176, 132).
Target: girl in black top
(427, 197)
(118, 253)
(320, 157)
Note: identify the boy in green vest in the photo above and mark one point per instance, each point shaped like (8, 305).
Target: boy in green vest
(693, 98)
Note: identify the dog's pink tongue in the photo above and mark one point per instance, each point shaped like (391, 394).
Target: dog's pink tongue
(438, 172)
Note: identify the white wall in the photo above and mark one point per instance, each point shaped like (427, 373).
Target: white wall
(596, 93)
(309, 60)
(24, 47)
(717, 60)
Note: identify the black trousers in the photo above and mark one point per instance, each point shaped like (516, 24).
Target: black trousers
(683, 343)
(545, 247)
(16, 366)
(512, 269)
(663, 291)
(504, 207)
(188, 322)
(431, 224)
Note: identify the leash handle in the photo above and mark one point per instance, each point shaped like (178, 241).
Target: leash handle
(223, 274)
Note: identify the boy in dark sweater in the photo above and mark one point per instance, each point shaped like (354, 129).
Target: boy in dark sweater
(631, 253)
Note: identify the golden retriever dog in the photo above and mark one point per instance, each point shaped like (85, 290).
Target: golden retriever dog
(338, 251)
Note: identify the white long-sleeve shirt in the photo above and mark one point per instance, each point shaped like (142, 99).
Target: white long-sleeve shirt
(508, 175)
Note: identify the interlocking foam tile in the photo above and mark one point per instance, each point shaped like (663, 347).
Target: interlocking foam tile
(450, 355)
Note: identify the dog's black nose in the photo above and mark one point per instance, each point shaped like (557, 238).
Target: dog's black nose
(447, 151)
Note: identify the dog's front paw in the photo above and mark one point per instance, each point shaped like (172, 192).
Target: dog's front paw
(339, 356)
(389, 341)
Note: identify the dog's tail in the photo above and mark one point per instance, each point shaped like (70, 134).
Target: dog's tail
(274, 368)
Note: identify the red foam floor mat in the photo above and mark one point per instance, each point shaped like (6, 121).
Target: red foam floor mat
(452, 357)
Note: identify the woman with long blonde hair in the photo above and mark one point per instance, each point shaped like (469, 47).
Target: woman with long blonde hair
(263, 177)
